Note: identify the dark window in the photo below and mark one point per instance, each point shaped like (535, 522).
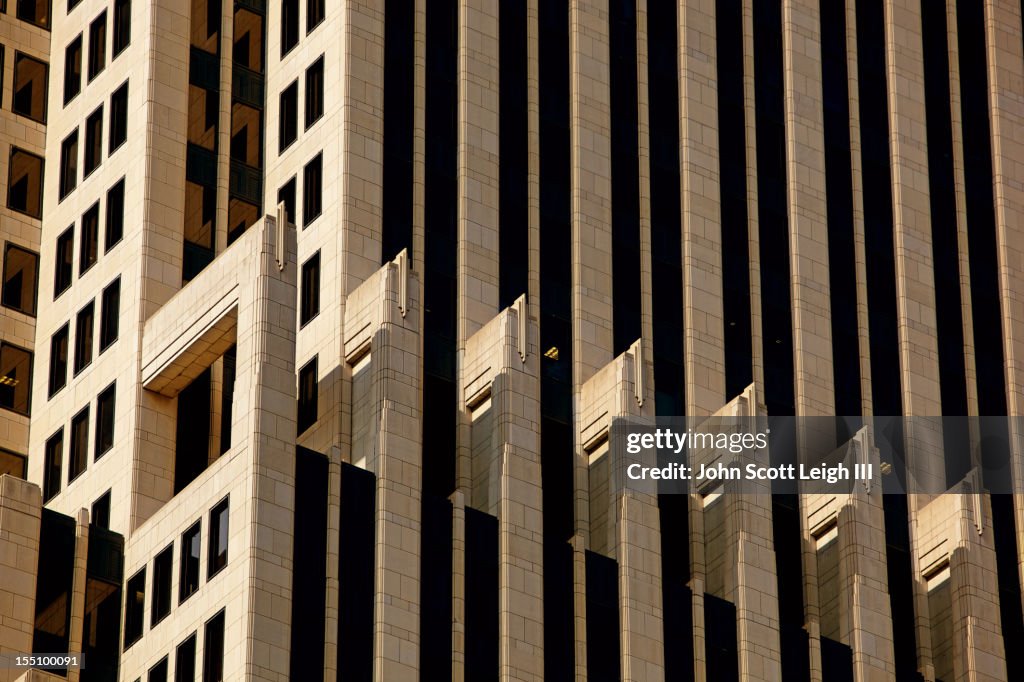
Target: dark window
(110, 308)
(89, 245)
(247, 50)
(189, 573)
(63, 268)
(213, 649)
(100, 516)
(105, 421)
(246, 139)
(118, 117)
(21, 270)
(218, 557)
(481, 596)
(314, 92)
(185, 660)
(307, 395)
(78, 459)
(25, 183)
(15, 378)
(397, 190)
(309, 306)
(312, 188)
(69, 164)
(115, 215)
(3, 54)
(134, 604)
(309, 569)
(52, 468)
(287, 195)
(73, 69)
(73, 4)
(83, 337)
(59, 360)
(289, 116)
(315, 11)
(97, 45)
(289, 25)
(93, 142)
(192, 432)
(356, 540)
(14, 464)
(602, 624)
(158, 673)
(122, 25)
(55, 583)
(30, 80)
(163, 565)
(35, 12)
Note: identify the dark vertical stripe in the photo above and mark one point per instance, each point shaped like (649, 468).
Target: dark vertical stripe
(603, 660)
(356, 594)
(398, 127)
(482, 608)
(721, 648)
(436, 590)
(309, 565)
(514, 237)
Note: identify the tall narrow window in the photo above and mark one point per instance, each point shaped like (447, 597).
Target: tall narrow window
(93, 142)
(97, 45)
(189, 574)
(288, 117)
(100, 516)
(83, 337)
(213, 649)
(59, 360)
(309, 306)
(185, 660)
(90, 242)
(110, 309)
(158, 673)
(163, 565)
(314, 92)
(289, 25)
(134, 605)
(78, 459)
(122, 26)
(312, 189)
(63, 266)
(35, 12)
(52, 468)
(105, 421)
(307, 395)
(25, 183)
(315, 11)
(218, 557)
(115, 215)
(15, 378)
(30, 80)
(21, 271)
(69, 164)
(287, 195)
(118, 117)
(73, 69)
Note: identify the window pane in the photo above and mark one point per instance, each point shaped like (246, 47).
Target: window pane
(97, 45)
(189, 578)
(158, 673)
(63, 266)
(314, 92)
(119, 117)
(115, 214)
(246, 131)
(185, 660)
(83, 337)
(122, 25)
(105, 421)
(314, 14)
(110, 314)
(241, 216)
(30, 77)
(93, 141)
(309, 306)
(12, 463)
(205, 20)
(25, 183)
(289, 116)
(289, 25)
(68, 164)
(73, 69)
(15, 378)
(78, 459)
(248, 47)
(90, 238)
(135, 601)
(218, 558)
(54, 461)
(203, 110)
(213, 645)
(35, 12)
(59, 360)
(21, 270)
(162, 567)
(100, 516)
(312, 187)
(287, 195)
(308, 407)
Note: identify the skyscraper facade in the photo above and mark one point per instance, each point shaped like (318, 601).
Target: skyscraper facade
(317, 315)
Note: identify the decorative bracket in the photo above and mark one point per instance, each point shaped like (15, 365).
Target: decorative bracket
(402, 261)
(637, 349)
(520, 307)
(282, 222)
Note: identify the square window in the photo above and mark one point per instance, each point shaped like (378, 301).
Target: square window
(163, 565)
(122, 25)
(15, 378)
(218, 558)
(21, 272)
(78, 454)
(110, 311)
(54, 461)
(105, 421)
(312, 190)
(315, 92)
(115, 215)
(25, 183)
(289, 25)
(134, 605)
(308, 407)
(30, 82)
(287, 195)
(97, 45)
(59, 360)
(14, 464)
(185, 660)
(315, 11)
(35, 12)
(93, 142)
(213, 649)
(118, 117)
(189, 574)
(309, 305)
(288, 127)
(100, 516)
(90, 241)
(63, 267)
(69, 164)
(83, 337)
(73, 69)
(158, 673)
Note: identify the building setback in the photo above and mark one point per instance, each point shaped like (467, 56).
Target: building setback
(316, 316)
